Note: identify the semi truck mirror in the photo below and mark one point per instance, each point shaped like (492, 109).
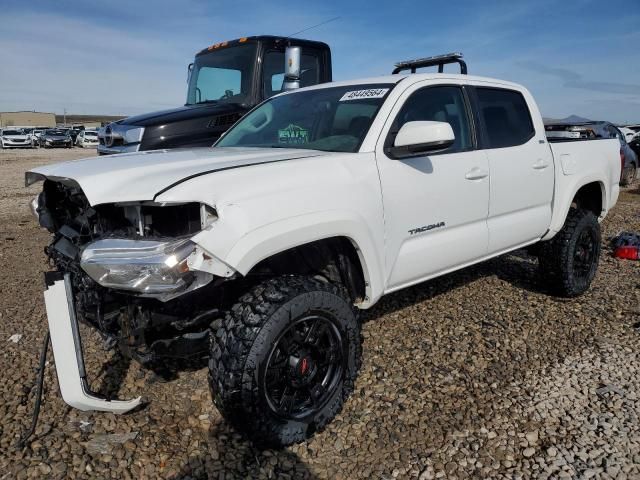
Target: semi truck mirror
(292, 68)
(189, 71)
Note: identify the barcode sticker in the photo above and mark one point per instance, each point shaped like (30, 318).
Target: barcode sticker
(369, 93)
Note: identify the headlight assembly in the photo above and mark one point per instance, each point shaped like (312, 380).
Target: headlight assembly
(149, 267)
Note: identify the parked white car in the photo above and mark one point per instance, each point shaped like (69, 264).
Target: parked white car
(35, 137)
(260, 252)
(87, 139)
(14, 138)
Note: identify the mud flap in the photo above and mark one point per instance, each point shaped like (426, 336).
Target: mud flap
(67, 350)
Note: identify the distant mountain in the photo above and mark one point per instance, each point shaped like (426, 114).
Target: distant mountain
(575, 119)
(569, 119)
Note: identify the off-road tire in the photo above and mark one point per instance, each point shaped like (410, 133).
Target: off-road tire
(629, 175)
(242, 341)
(557, 257)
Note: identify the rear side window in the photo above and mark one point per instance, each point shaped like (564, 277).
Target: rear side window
(506, 117)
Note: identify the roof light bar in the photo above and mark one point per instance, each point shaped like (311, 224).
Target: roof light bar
(439, 60)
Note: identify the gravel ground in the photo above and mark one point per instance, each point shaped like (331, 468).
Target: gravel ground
(478, 374)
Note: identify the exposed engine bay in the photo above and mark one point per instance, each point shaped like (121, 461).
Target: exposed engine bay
(160, 321)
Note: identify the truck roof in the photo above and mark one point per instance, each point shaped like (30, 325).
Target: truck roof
(417, 77)
(261, 38)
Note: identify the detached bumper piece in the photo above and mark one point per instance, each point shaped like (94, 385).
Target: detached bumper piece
(67, 350)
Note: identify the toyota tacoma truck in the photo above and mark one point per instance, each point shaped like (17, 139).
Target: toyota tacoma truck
(259, 253)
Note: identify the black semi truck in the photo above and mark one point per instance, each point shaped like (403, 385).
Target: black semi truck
(225, 81)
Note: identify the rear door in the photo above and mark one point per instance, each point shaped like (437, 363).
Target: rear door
(521, 166)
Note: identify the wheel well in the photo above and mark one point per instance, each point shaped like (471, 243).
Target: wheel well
(589, 197)
(335, 259)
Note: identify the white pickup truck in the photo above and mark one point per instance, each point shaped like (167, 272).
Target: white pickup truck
(258, 253)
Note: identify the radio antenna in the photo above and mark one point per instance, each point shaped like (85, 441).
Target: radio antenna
(313, 26)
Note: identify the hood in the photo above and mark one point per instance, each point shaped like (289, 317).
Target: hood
(141, 176)
(186, 112)
(23, 136)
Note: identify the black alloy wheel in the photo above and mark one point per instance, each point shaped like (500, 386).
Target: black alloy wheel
(285, 358)
(304, 367)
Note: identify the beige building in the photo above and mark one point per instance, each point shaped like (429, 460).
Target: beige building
(27, 119)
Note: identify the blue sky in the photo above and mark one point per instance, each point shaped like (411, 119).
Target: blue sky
(125, 57)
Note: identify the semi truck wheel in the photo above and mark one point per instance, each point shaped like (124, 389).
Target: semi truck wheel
(568, 262)
(284, 359)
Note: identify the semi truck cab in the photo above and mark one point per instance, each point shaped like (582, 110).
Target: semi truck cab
(225, 81)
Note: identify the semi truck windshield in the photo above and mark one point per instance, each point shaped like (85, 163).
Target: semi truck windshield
(223, 75)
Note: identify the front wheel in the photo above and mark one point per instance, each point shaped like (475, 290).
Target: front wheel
(568, 262)
(285, 359)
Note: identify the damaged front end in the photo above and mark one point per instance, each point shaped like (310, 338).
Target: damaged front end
(134, 273)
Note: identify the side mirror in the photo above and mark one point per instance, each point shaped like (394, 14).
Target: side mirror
(415, 138)
(189, 71)
(292, 68)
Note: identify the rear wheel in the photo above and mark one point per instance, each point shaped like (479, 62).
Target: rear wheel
(568, 262)
(285, 359)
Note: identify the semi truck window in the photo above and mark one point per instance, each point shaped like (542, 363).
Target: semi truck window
(506, 117)
(216, 83)
(438, 104)
(223, 75)
(273, 71)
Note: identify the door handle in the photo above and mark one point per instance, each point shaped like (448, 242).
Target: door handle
(540, 164)
(476, 174)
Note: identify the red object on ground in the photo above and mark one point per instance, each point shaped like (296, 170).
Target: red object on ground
(628, 251)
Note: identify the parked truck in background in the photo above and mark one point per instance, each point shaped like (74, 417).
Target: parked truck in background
(259, 253)
(225, 81)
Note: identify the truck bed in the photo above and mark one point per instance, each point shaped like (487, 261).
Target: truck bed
(578, 162)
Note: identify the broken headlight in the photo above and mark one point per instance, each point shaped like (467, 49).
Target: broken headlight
(149, 267)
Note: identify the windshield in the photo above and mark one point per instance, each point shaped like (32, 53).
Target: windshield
(90, 134)
(332, 119)
(223, 75)
(12, 132)
(56, 132)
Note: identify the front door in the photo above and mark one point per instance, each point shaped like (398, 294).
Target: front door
(436, 205)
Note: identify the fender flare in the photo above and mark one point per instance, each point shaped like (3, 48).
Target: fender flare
(267, 240)
(563, 204)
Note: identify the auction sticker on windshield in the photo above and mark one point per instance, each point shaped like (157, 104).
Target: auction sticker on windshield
(369, 93)
(293, 135)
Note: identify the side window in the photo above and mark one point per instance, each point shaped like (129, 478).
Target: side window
(214, 83)
(273, 71)
(438, 104)
(506, 117)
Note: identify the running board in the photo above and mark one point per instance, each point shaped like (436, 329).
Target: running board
(67, 350)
